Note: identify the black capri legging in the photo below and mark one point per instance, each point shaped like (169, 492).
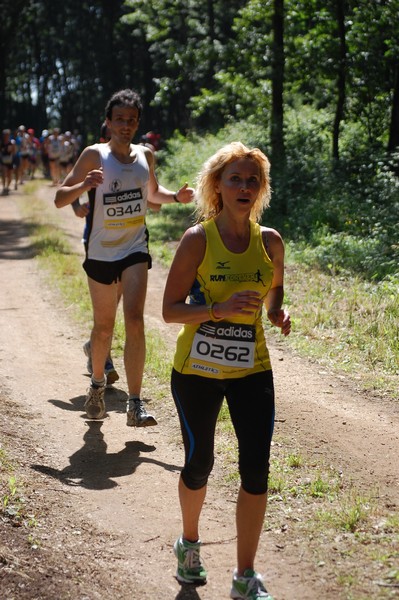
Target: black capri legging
(251, 404)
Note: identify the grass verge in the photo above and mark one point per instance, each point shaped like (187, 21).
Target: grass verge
(347, 324)
(14, 508)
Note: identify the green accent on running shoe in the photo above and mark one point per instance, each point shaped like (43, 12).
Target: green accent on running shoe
(249, 587)
(189, 566)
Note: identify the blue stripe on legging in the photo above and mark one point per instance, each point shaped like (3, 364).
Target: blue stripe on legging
(189, 432)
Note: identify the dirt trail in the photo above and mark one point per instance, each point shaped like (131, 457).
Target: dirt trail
(107, 494)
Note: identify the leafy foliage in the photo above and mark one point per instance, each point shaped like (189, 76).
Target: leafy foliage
(206, 71)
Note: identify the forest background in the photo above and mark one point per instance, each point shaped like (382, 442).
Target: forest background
(314, 84)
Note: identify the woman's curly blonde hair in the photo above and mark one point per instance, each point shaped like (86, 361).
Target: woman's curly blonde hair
(208, 200)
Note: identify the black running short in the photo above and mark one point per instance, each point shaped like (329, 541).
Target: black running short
(106, 272)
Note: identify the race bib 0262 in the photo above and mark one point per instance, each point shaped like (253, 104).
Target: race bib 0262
(226, 344)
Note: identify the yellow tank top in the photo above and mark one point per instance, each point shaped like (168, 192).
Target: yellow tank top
(235, 347)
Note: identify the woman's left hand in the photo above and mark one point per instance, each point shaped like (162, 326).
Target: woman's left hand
(280, 318)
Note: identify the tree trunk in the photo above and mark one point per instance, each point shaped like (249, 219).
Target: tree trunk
(277, 120)
(341, 80)
(278, 158)
(393, 143)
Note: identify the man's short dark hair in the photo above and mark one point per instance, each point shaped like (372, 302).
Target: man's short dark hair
(128, 98)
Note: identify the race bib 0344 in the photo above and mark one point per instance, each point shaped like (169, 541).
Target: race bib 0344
(123, 209)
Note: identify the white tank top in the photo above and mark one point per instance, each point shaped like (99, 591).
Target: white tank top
(119, 207)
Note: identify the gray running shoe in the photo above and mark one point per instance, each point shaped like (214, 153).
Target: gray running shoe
(109, 369)
(95, 405)
(249, 587)
(189, 566)
(137, 416)
(87, 351)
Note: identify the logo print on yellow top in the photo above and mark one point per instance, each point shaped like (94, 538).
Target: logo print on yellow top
(238, 277)
(223, 264)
